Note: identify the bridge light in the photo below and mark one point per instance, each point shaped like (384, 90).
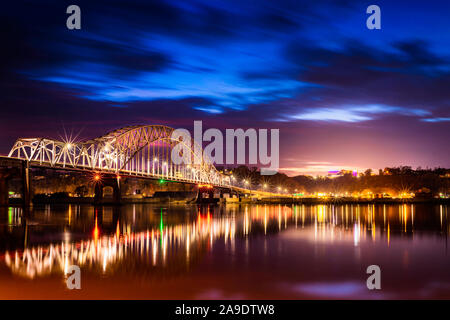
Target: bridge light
(265, 186)
(164, 163)
(68, 146)
(155, 159)
(161, 181)
(97, 177)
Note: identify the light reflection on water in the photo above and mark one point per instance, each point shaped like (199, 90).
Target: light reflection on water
(318, 251)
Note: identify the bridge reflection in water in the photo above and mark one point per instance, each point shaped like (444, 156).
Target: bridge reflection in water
(153, 240)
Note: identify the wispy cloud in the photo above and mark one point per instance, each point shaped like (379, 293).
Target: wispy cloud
(436, 119)
(325, 114)
(356, 113)
(208, 109)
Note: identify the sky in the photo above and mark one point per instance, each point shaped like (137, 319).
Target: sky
(343, 96)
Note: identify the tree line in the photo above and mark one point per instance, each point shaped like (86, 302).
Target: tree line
(392, 181)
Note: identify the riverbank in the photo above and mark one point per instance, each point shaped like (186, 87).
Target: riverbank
(313, 201)
(190, 199)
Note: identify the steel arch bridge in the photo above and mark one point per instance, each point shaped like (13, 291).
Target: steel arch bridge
(142, 150)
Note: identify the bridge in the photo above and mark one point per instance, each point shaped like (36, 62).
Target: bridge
(142, 151)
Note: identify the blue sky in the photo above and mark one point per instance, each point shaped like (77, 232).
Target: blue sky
(293, 65)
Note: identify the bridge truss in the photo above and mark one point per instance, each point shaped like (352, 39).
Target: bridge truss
(143, 150)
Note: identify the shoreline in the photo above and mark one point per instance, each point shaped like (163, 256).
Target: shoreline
(216, 201)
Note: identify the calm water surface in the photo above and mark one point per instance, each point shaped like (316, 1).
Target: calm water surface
(225, 252)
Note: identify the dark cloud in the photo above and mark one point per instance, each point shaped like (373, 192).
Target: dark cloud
(359, 74)
(417, 53)
(231, 63)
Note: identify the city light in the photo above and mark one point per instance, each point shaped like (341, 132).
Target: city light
(225, 150)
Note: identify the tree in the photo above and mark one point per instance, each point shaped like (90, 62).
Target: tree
(81, 191)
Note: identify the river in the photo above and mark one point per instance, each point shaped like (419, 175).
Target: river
(225, 252)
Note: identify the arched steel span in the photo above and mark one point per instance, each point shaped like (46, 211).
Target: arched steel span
(143, 150)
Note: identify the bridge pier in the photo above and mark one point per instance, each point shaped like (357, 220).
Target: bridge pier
(26, 184)
(4, 198)
(107, 182)
(117, 191)
(98, 193)
(6, 174)
(206, 190)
